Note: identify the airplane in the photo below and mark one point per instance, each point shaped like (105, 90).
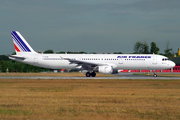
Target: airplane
(92, 63)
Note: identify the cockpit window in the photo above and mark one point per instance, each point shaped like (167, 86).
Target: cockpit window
(165, 59)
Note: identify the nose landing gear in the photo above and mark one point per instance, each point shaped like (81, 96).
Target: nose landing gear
(155, 75)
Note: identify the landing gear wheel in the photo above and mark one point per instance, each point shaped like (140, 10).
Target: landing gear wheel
(155, 75)
(93, 74)
(88, 74)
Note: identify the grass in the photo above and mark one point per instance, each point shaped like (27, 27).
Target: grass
(13, 112)
(90, 99)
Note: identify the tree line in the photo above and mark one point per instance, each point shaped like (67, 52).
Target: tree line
(143, 48)
(7, 65)
(139, 48)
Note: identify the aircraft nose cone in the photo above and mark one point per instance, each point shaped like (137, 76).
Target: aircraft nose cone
(172, 64)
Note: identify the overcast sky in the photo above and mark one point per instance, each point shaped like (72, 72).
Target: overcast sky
(99, 26)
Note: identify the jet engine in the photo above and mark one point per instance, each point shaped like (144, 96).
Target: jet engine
(105, 69)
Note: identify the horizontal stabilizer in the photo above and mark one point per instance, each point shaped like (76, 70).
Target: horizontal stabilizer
(16, 57)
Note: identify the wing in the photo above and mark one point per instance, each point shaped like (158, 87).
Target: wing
(83, 64)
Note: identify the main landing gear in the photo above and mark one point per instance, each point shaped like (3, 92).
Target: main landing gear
(93, 74)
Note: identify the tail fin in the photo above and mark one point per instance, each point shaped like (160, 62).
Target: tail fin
(20, 44)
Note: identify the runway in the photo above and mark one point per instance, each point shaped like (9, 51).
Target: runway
(120, 76)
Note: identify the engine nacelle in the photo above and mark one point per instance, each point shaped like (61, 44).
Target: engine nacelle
(105, 69)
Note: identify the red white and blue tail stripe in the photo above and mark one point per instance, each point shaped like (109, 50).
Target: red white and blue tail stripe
(20, 44)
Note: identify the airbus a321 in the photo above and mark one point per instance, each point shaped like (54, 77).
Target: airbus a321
(102, 63)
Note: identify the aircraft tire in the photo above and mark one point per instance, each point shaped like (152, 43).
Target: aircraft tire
(93, 74)
(88, 74)
(155, 75)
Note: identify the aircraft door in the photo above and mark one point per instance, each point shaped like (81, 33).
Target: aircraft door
(36, 59)
(154, 60)
(120, 61)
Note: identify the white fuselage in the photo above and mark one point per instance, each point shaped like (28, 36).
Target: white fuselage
(117, 61)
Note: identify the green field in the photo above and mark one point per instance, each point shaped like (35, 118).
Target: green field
(89, 99)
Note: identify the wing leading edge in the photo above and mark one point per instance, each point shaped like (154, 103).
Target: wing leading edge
(84, 64)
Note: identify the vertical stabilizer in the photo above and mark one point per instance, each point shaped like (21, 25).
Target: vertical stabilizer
(20, 44)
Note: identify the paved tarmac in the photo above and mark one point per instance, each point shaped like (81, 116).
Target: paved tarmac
(120, 76)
